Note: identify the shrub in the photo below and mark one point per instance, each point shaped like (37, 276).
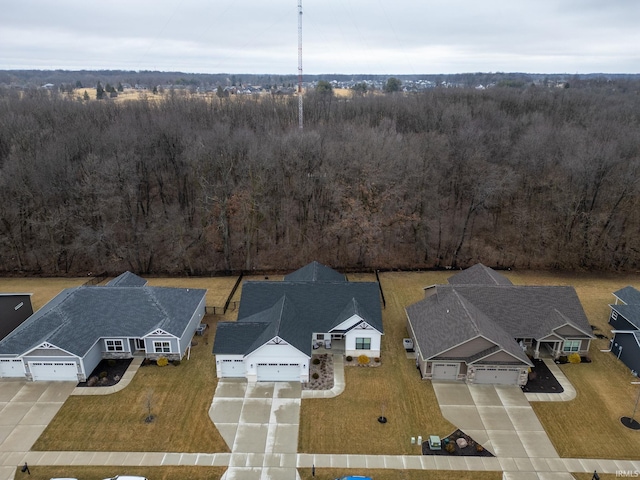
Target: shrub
(377, 359)
(103, 374)
(450, 447)
(315, 375)
(363, 359)
(316, 361)
(348, 358)
(111, 362)
(162, 362)
(574, 358)
(92, 381)
(479, 448)
(176, 363)
(562, 359)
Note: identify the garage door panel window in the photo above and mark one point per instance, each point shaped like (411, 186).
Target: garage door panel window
(571, 346)
(161, 347)
(363, 344)
(114, 345)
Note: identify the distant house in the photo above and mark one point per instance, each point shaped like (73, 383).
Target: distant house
(281, 323)
(625, 320)
(67, 338)
(480, 328)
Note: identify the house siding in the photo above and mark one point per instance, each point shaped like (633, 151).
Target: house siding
(621, 323)
(191, 327)
(91, 360)
(630, 350)
(350, 342)
(174, 354)
(467, 349)
(568, 331)
(500, 356)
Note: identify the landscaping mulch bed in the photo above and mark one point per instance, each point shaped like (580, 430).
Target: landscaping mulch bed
(324, 369)
(114, 370)
(473, 449)
(542, 380)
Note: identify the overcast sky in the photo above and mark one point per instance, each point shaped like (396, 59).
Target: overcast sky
(339, 36)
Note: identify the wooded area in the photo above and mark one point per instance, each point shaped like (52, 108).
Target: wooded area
(530, 178)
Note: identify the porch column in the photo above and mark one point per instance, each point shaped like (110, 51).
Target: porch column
(536, 354)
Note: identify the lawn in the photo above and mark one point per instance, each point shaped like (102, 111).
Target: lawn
(181, 396)
(409, 403)
(389, 474)
(218, 288)
(98, 473)
(43, 289)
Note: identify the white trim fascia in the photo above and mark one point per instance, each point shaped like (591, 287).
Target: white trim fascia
(44, 346)
(501, 350)
(157, 331)
(267, 343)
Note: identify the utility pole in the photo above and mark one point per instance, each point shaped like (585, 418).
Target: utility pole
(300, 114)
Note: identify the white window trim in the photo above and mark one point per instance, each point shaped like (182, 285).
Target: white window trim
(571, 346)
(364, 339)
(614, 315)
(116, 342)
(158, 346)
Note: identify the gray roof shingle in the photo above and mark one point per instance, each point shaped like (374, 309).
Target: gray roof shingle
(315, 272)
(628, 295)
(479, 275)
(294, 309)
(76, 318)
(127, 279)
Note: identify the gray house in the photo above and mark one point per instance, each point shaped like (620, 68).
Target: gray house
(281, 323)
(625, 320)
(481, 328)
(67, 338)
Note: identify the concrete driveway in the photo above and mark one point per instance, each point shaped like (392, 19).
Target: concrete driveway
(26, 408)
(260, 424)
(497, 416)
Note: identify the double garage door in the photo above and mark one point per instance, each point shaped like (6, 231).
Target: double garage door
(497, 375)
(278, 372)
(61, 371)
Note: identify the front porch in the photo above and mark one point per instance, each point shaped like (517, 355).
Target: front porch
(331, 346)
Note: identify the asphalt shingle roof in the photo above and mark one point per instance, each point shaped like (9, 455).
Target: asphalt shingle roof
(479, 275)
(76, 318)
(315, 272)
(628, 295)
(127, 279)
(294, 309)
(631, 313)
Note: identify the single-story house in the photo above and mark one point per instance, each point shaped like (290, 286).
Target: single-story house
(480, 328)
(67, 338)
(280, 323)
(625, 320)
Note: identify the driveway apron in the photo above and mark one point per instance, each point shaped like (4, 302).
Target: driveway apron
(259, 422)
(26, 408)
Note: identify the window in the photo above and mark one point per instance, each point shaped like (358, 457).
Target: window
(363, 344)
(614, 315)
(571, 346)
(319, 336)
(114, 345)
(162, 347)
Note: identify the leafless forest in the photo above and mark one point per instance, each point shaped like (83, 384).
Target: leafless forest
(526, 178)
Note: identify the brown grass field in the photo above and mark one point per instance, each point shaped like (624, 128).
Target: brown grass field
(184, 393)
(43, 289)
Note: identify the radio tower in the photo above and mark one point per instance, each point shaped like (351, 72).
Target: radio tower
(300, 115)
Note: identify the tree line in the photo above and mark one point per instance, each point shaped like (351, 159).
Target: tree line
(523, 178)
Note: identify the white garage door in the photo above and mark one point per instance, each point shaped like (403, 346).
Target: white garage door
(445, 371)
(232, 368)
(278, 372)
(11, 367)
(54, 371)
(497, 375)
